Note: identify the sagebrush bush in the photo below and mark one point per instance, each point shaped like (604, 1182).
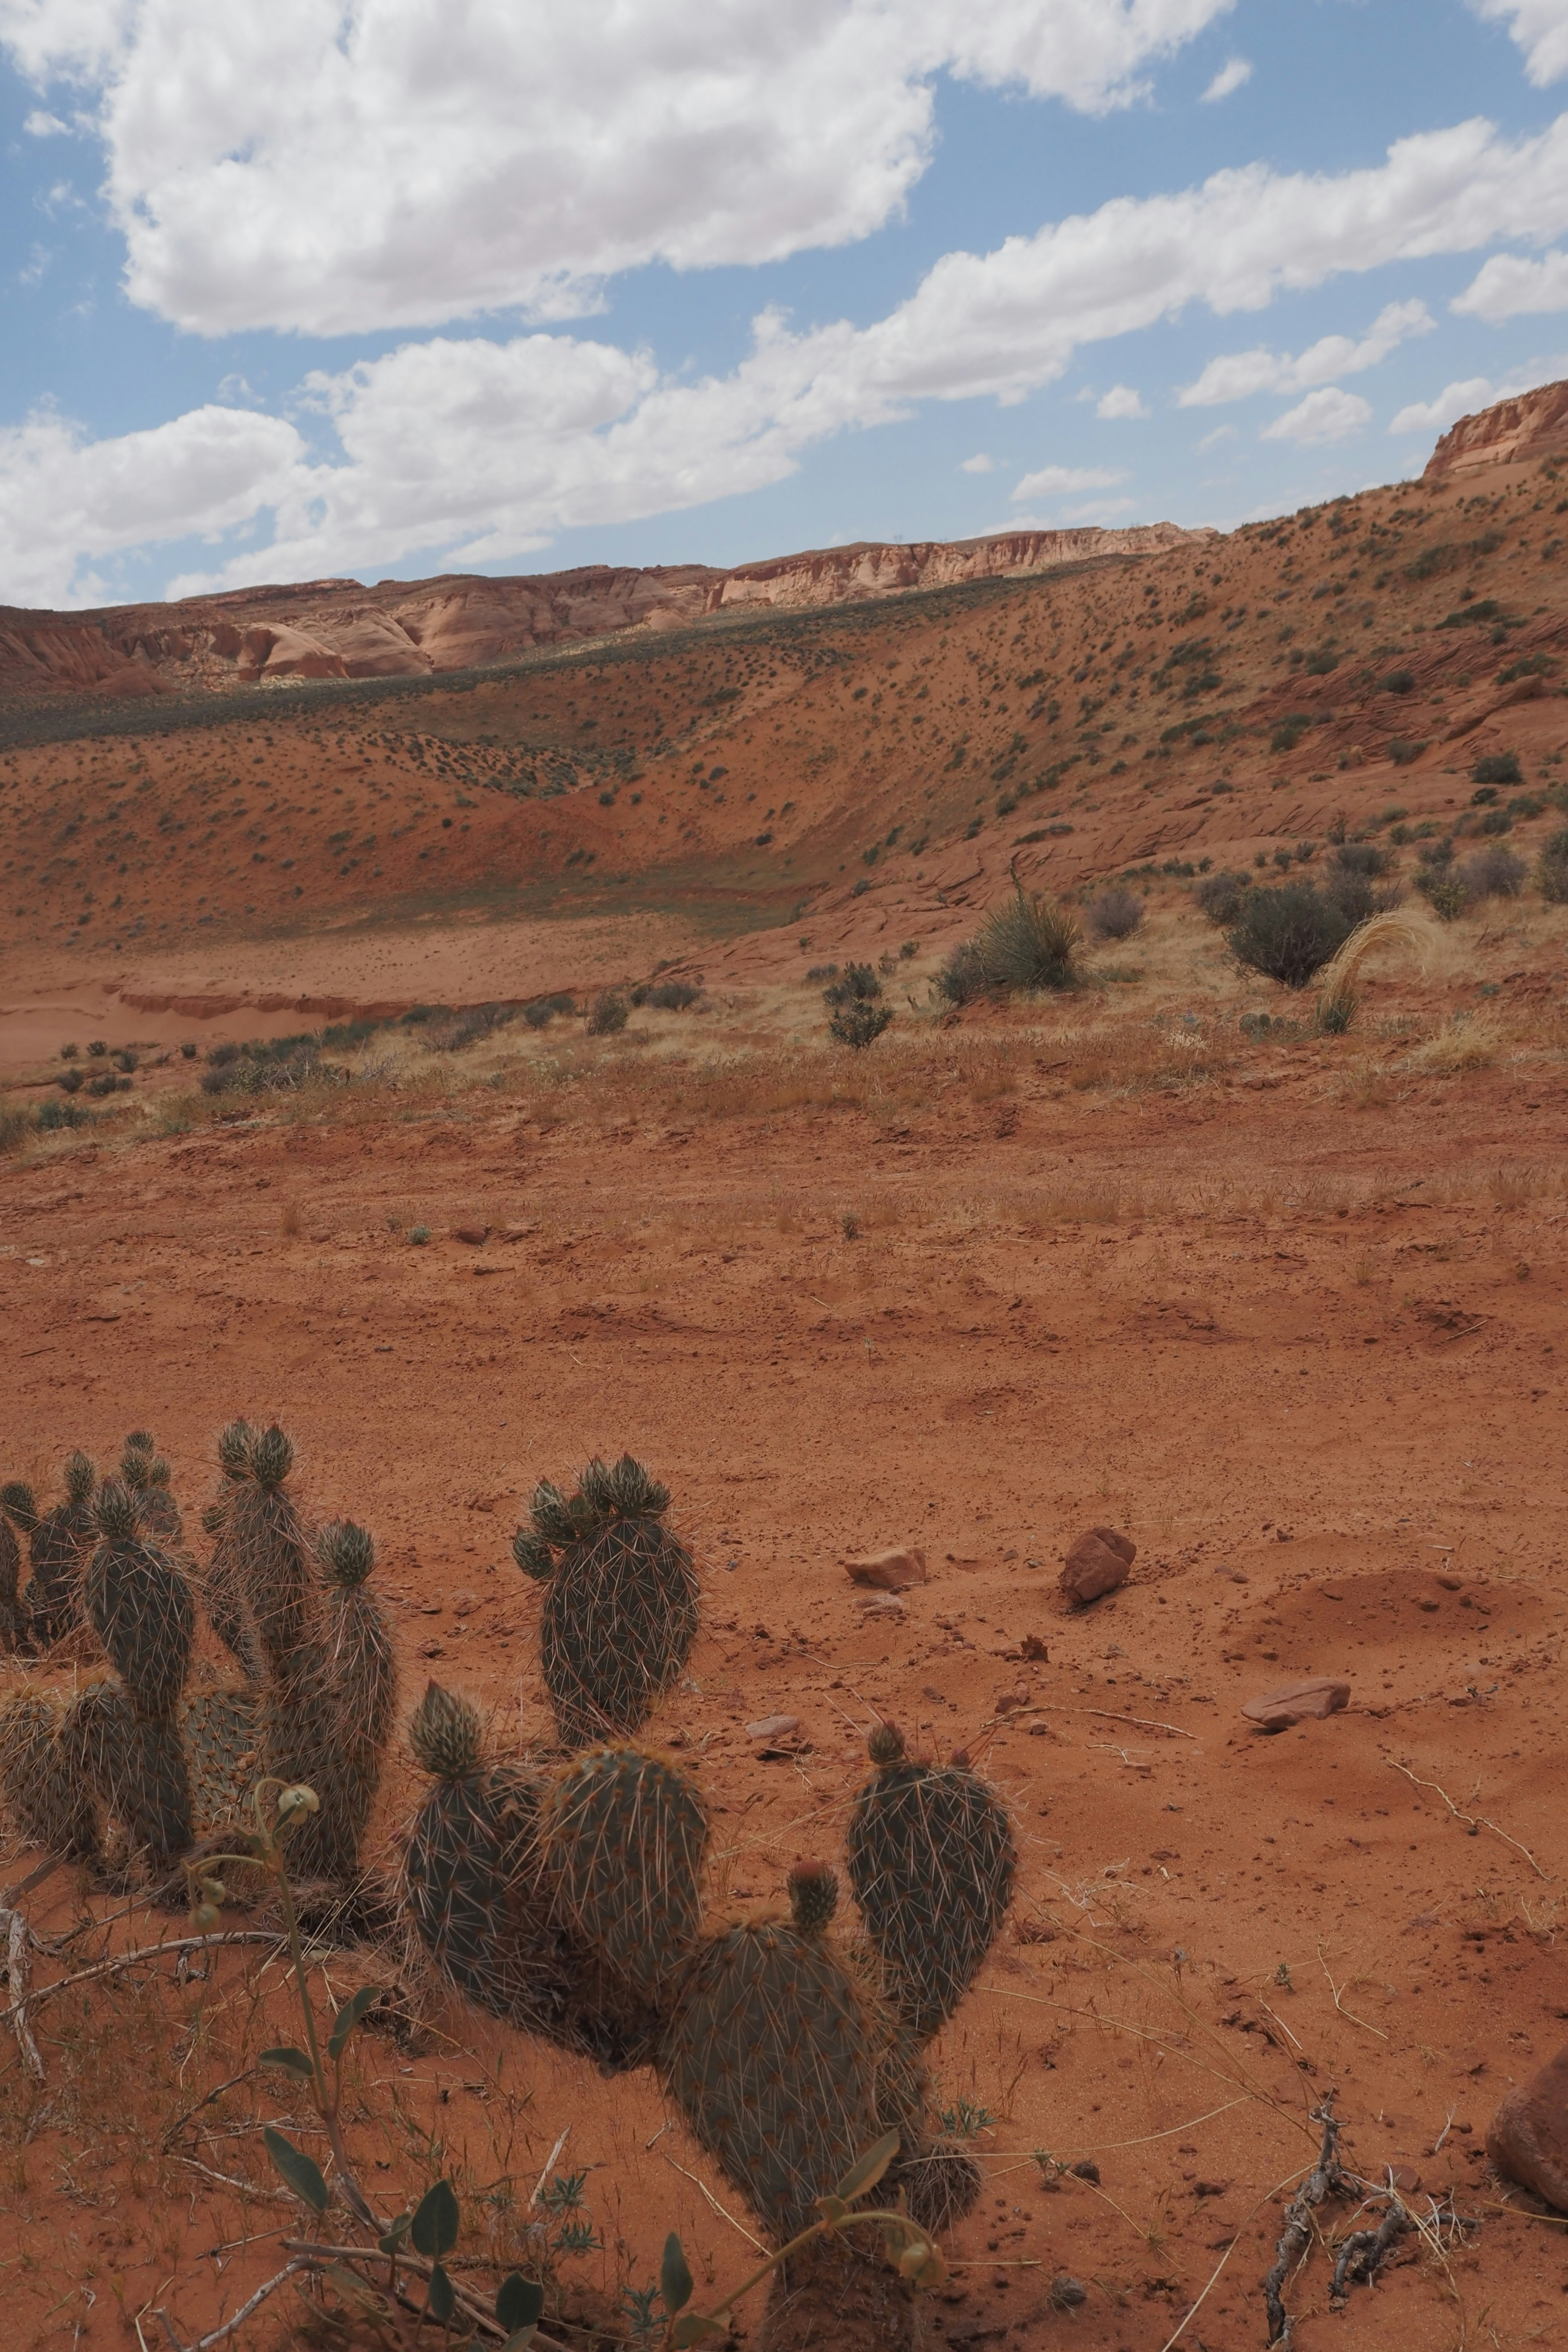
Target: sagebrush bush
(1491, 873)
(1497, 767)
(608, 1014)
(859, 1025)
(1290, 932)
(1115, 914)
(1221, 896)
(859, 985)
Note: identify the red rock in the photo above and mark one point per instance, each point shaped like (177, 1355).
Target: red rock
(474, 1235)
(887, 1571)
(1313, 1700)
(1096, 1564)
(1527, 2139)
(776, 1735)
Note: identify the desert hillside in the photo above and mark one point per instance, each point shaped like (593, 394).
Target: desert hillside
(437, 1063)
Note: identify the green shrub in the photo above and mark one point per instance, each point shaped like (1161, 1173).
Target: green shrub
(608, 1014)
(1026, 944)
(1448, 899)
(859, 985)
(860, 1024)
(1403, 752)
(1221, 896)
(1290, 932)
(1398, 681)
(1497, 767)
(1551, 870)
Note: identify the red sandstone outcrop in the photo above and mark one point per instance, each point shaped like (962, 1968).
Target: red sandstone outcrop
(1515, 432)
(336, 628)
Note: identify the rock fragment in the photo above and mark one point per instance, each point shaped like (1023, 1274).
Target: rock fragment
(1096, 1564)
(887, 1571)
(1312, 1700)
(1527, 2139)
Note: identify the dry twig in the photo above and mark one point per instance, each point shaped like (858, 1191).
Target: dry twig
(1325, 2179)
(18, 1955)
(1474, 1822)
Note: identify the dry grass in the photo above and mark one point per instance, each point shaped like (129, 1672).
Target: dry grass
(1400, 927)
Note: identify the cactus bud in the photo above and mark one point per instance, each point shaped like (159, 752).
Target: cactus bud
(114, 1512)
(812, 1895)
(534, 1556)
(271, 1457)
(886, 1745)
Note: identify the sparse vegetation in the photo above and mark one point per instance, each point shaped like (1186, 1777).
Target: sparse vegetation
(1025, 944)
(608, 1014)
(1290, 932)
(1115, 914)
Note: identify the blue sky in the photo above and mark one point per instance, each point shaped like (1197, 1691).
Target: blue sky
(386, 288)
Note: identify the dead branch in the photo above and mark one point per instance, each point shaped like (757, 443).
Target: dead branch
(1474, 1822)
(1364, 2251)
(138, 1958)
(1325, 2179)
(18, 1955)
(269, 2286)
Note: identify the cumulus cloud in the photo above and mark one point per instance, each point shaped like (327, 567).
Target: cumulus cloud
(1323, 417)
(1454, 401)
(65, 500)
(1239, 375)
(1540, 29)
(1052, 481)
(981, 463)
(399, 163)
(1232, 75)
(1509, 286)
(1118, 402)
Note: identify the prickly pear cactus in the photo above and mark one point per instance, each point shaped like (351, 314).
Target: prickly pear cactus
(932, 1861)
(145, 1476)
(222, 1588)
(134, 1766)
(328, 1714)
(142, 1607)
(57, 1542)
(13, 1627)
(473, 1881)
(625, 1836)
(272, 1563)
(221, 1733)
(769, 2055)
(46, 1800)
(620, 1610)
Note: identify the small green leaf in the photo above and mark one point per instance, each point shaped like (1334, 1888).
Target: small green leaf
(435, 2224)
(833, 2210)
(693, 2328)
(293, 2062)
(868, 2170)
(349, 2016)
(520, 2302)
(674, 2276)
(521, 2341)
(441, 2301)
(394, 2236)
(302, 2175)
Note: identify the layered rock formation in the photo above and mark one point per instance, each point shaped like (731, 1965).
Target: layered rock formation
(337, 628)
(1513, 431)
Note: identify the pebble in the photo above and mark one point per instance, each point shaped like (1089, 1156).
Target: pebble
(474, 1235)
(1313, 1700)
(776, 1735)
(1096, 1564)
(1527, 2139)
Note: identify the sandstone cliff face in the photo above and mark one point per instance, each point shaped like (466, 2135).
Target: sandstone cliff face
(337, 628)
(1515, 432)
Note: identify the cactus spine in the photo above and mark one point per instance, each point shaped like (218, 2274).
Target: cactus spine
(224, 1590)
(625, 1836)
(330, 1712)
(769, 2055)
(620, 1608)
(269, 1554)
(46, 1799)
(14, 1629)
(145, 1474)
(932, 1861)
(128, 1735)
(56, 1543)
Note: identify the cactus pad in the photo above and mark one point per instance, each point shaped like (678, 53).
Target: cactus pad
(46, 1799)
(932, 1861)
(620, 1606)
(769, 2055)
(812, 1895)
(221, 1731)
(13, 1616)
(134, 1765)
(142, 1606)
(267, 1545)
(624, 1834)
(56, 1545)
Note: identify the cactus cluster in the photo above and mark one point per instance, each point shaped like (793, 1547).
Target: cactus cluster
(620, 1610)
(147, 1763)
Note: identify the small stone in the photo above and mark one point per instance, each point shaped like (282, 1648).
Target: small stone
(1527, 2139)
(776, 1735)
(1009, 1702)
(887, 1571)
(880, 1604)
(1313, 1700)
(474, 1235)
(1096, 1564)
(1033, 1647)
(1066, 2292)
(1085, 2168)
(1407, 2179)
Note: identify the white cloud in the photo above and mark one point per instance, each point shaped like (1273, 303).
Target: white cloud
(1118, 402)
(1100, 509)
(1239, 375)
(41, 125)
(337, 168)
(1231, 77)
(1052, 481)
(1455, 399)
(1212, 440)
(1540, 29)
(1323, 417)
(64, 500)
(1507, 286)
(981, 463)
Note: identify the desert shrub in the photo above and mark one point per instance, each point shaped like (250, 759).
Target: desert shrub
(69, 1053)
(1398, 681)
(476, 1022)
(68, 1082)
(187, 1049)
(608, 1014)
(1552, 871)
(52, 1116)
(1360, 857)
(674, 995)
(125, 1060)
(1402, 752)
(14, 1127)
(419, 1235)
(1115, 914)
(1494, 873)
(1447, 897)
(1026, 944)
(859, 985)
(1290, 932)
(106, 1083)
(98, 1049)
(1287, 735)
(1221, 896)
(1497, 767)
(258, 1068)
(859, 1025)
(1495, 822)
